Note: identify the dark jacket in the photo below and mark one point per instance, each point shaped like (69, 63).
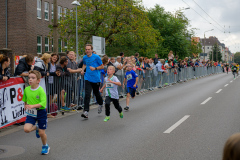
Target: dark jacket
(63, 71)
(6, 72)
(22, 67)
(40, 66)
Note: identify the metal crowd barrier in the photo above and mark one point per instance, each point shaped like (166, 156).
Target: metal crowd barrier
(69, 90)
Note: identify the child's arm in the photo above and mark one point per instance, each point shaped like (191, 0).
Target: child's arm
(116, 83)
(124, 82)
(136, 82)
(101, 90)
(27, 106)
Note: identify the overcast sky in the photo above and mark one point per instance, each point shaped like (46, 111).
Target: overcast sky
(224, 17)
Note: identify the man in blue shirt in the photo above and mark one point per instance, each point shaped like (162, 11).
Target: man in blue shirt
(92, 63)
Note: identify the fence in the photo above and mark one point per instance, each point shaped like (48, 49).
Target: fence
(148, 80)
(68, 91)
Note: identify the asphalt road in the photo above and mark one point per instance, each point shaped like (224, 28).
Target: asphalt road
(188, 121)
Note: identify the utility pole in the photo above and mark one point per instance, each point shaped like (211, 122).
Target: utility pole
(55, 26)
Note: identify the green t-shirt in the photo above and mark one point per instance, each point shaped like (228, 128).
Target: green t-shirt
(35, 96)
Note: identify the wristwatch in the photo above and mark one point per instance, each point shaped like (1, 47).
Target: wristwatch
(95, 68)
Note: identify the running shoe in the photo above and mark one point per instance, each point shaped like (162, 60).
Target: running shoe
(67, 109)
(121, 115)
(107, 118)
(37, 132)
(45, 149)
(85, 114)
(126, 108)
(100, 109)
(63, 108)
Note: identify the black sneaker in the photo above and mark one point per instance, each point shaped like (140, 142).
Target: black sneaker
(126, 108)
(85, 114)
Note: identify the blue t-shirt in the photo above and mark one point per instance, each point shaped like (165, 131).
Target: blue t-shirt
(93, 61)
(131, 78)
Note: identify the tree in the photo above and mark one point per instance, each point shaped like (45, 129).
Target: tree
(173, 29)
(237, 57)
(122, 23)
(195, 48)
(217, 56)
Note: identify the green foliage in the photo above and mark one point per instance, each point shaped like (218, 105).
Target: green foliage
(123, 24)
(237, 57)
(217, 56)
(173, 30)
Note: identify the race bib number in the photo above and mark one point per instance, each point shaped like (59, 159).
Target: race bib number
(235, 69)
(31, 112)
(109, 85)
(129, 76)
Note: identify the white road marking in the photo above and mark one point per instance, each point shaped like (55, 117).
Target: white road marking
(231, 81)
(206, 100)
(226, 85)
(169, 130)
(219, 91)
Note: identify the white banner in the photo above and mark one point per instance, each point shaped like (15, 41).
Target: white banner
(11, 104)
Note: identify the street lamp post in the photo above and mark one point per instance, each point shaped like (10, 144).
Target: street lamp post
(204, 42)
(181, 10)
(77, 4)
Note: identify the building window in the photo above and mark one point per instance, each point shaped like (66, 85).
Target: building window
(65, 46)
(65, 12)
(46, 44)
(39, 6)
(59, 12)
(52, 44)
(59, 45)
(207, 47)
(46, 11)
(52, 11)
(39, 44)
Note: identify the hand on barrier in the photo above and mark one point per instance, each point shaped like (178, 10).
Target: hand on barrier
(5, 78)
(79, 70)
(82, 72)
(58, 73)
(101, 90)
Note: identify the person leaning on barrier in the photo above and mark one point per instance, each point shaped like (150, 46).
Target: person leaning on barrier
(52, 69)
(72, 68)
(24, 66)
(119, 65)
(72, 65)
(63, 71)
(231, 149)
(4, 64)
(41, 64)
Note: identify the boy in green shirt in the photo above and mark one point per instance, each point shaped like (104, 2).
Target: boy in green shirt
(35, 107)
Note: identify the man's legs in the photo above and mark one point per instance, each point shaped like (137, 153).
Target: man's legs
(95, 87)
(88, 90)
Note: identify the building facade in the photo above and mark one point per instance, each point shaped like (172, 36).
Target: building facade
(208, 44)
(24, 25)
